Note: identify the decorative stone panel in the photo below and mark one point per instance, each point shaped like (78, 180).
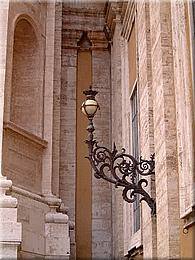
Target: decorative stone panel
(22, 157)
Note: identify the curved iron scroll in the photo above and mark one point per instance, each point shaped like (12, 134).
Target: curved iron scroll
(121, 169)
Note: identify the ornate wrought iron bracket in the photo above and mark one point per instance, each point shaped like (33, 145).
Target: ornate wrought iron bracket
(119, 168)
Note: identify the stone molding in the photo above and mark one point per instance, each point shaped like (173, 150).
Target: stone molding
(12, 127)
(55, 217)
(51, 201)
(28, 194)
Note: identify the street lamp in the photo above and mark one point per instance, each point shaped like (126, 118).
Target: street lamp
(119, 168)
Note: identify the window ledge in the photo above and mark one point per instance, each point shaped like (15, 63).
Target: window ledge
(10, 126)
(189, 221)
(135, 252)
(135, 241)
(188, 212)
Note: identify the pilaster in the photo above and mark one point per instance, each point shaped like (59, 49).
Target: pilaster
(67, 173)
(57, 240)
(165, 136)
(118, 115)
(183, 53)
(146, 121)
(102, 190)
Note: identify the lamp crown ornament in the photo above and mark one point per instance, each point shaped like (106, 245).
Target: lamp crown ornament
(119, 168)
(90, 93)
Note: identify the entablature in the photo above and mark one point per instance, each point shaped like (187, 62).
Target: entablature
(123, 12)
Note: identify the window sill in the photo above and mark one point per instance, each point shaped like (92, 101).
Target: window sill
(135, 240)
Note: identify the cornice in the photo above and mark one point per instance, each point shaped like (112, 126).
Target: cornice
(84, 8)
(129, 16)
(113, 14)
(83, 13)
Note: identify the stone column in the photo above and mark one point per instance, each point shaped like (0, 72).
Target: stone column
(10, 229)
(56, 100)
(56, 227)
(165, 142)
(48, 99)
(67, 184)
(146, 121)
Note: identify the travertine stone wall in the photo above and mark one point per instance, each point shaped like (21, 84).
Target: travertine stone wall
(165, 142)
(101, 190)
(146, 127)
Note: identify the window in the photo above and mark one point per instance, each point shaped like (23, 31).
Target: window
(132, 56)
(135, 153)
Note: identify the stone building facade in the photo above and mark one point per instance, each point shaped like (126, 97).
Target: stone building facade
(139, 56)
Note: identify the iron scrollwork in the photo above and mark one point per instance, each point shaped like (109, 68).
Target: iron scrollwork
(121, 169)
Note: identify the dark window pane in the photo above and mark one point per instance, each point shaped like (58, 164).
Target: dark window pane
(135, 153)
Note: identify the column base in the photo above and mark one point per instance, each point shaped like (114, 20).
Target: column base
(10, 229)
(57, 239)
(8, 250)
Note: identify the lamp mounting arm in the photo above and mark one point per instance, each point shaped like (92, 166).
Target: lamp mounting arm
(120, 168)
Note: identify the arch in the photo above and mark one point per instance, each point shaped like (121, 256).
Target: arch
(26, 107)
(30, 20)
